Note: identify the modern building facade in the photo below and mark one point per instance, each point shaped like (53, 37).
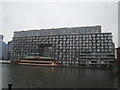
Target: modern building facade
(1, 40)
(72, 46)
(9, 49)
(4, 51)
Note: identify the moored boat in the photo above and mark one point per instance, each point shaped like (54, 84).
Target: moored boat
(38, 61)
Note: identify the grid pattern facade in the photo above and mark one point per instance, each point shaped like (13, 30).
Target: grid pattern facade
(70, 49)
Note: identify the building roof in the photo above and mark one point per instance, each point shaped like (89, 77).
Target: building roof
(65, 28)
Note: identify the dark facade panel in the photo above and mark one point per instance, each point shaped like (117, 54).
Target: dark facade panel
(118, 53)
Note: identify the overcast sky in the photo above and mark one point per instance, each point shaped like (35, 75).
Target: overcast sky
(17, 16)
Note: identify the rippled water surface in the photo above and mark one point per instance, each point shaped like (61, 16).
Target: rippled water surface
(56, 77)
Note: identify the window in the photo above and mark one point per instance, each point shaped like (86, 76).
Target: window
(93, 35)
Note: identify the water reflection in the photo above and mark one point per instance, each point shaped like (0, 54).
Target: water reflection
(56, 77)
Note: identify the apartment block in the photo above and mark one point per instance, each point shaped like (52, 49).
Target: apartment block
(75, 46)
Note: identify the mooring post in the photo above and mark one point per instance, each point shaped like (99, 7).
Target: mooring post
(10, 85)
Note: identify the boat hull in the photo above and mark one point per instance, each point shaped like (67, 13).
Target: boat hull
(38, 63)
(26, 64)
